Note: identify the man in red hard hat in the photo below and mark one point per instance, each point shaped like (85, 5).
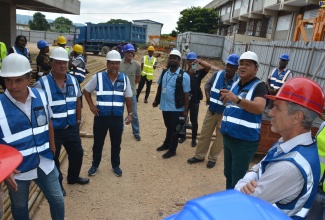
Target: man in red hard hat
(288, 175)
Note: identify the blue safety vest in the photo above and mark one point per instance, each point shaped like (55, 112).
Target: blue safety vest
(63, 105)
(239, 123)
(277, 80)
(216, 105)
(307, 161)
(29, 136)
(25, 53)
(80, 72)
(110, 97)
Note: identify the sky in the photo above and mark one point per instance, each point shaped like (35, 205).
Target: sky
(166, 12)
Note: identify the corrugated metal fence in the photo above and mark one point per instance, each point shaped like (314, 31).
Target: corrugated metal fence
(34, 36)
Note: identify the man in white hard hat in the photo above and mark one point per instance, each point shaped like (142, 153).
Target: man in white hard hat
(173, 98)
(32, 135)
(64, 95)
(242, 118)
(113, 89)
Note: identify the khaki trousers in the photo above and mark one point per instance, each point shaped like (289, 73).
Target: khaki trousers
(210, 124)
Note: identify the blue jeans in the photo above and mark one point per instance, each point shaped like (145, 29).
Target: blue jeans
(135, 119)
(317, 210)
(50, 186)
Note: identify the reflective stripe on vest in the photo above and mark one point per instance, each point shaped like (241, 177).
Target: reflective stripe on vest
(148, 69)
(239, 123)
(277, 80)
(321, 152)
(63, 105)
(80, 72)
(306, 160)
(29, 136)
(110, 97)
(25, 53)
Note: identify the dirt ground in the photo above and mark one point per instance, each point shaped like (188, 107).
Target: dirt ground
(151, 187)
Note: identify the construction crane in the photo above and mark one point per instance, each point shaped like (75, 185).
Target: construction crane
(318, 25)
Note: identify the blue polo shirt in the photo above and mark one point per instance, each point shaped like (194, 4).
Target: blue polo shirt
(167, 101)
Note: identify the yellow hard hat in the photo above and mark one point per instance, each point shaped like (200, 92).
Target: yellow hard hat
(151, 48)
(62, 40)
(77, 48)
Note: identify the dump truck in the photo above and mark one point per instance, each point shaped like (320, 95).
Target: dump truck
(101, 38)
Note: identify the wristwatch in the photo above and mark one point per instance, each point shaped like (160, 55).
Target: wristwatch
(239, 100)
(130, 113)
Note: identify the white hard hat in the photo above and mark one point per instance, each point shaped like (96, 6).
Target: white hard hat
(113, 55)
(249, 55)
(59, 53)
(15, 65)
(186, 44)
(175, 52)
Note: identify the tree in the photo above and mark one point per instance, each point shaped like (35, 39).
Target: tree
(116, 21)
(173, 33)
(39, 22)
(197, 19)
(62, 25)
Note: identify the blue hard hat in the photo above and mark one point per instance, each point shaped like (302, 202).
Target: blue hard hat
(191, 56)
(229, 204)
(129, 47)
(285, 57)
(233, 59)
(42, 44)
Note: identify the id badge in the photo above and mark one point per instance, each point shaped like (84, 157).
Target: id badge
(40, 116)
(163, 90)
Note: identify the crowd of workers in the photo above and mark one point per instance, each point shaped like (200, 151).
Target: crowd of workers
(289, 176)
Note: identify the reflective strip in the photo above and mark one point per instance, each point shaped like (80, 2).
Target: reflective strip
(302, 213)
(48, 92)
(213, 88)
(71, 99)
(4, 122)
(79, 74)
(100, 82)
(110, 93)
(81, 69)
(60, 115)
(241, 122)
(72, 111)
(216, 101)
(34, 150)
(110, 103)
(44, 101)
(25, 133)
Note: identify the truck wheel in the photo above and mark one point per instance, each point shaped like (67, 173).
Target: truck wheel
(96, 53)
(104, 50)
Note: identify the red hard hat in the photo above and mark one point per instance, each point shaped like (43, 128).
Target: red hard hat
(302, 91)
(10, 158)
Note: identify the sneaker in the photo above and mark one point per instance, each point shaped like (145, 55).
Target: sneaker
(92, 171)
(194, 143)
(168, 154)
(117, 171)
(145, 101)
(181, 140)
(137, 137)
(162, 148)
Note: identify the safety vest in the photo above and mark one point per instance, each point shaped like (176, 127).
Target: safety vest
(216, 105)
(3, 52)
(148, 69)
(110, 97)
(80, 73)
(239, 123)
(29, 136)
(277, 80)
(321, 152)
(25, 53)
(63, 105)
(306, 159)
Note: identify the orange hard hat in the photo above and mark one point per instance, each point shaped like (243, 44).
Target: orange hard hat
(302, 91)
(10, 158)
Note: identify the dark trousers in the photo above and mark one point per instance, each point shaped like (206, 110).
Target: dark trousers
(194, 112)
(114, 125)
(171, 120)
(70, 139)
(237, 156)
(148, 83)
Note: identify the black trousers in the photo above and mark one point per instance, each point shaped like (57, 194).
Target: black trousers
(148, 83)
(194, 113)
(171, 120)
(113, 124)
(70, 139)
